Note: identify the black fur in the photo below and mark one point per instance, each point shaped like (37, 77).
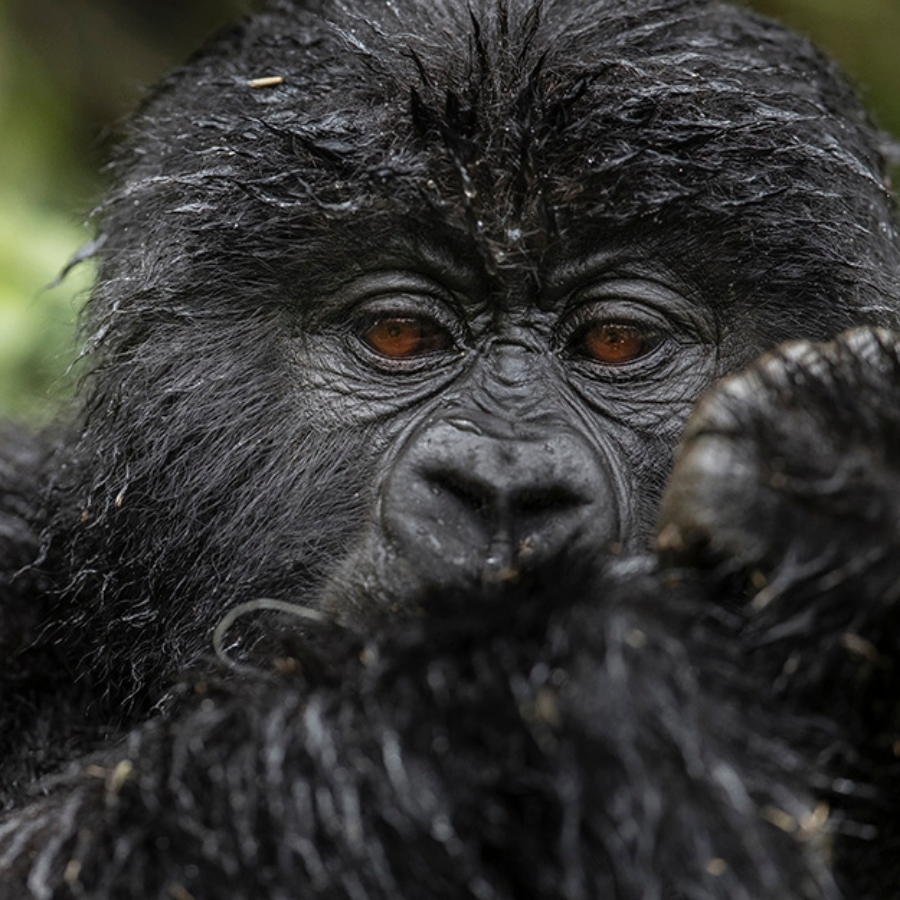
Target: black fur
(715, 719)
(234, 206)
(617, 734)
(465, 754)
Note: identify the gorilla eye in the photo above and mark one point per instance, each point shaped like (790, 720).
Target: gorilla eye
(404, 337)
(614, 343)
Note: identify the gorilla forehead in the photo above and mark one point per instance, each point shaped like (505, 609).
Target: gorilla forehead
(528, 128)
(521, 95)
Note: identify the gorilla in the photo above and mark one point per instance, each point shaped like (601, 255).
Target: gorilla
(360, 568)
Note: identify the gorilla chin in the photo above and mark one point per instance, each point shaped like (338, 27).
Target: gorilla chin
(361, 569)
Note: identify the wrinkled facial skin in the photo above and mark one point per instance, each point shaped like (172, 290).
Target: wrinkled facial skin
(431, 312)
(519, 418)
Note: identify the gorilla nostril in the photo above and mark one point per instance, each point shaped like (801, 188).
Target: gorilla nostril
(547, 500)
(502, 498)
(473, 493)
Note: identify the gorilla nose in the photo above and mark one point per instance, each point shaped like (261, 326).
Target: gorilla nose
(463, 504)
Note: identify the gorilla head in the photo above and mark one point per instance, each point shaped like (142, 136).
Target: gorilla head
(411, 295)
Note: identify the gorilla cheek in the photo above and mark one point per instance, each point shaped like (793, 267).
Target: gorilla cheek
(470, 501)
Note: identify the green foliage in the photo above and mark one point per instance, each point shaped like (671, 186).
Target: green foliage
(36, 235)
(36, 322)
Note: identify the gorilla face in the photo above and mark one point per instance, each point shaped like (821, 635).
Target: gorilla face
(519, 415)
(420, 297)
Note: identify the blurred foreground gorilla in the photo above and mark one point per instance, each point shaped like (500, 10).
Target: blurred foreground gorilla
(341, 582)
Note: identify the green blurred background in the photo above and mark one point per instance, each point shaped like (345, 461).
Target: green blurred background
(70, 70)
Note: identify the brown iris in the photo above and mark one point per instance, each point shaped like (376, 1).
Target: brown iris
(402, 337)
(612, 343)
